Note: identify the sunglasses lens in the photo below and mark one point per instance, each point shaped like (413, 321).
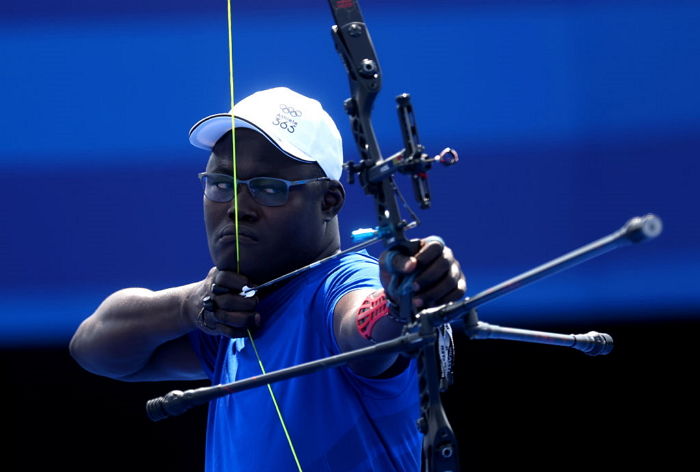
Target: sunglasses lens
(269, 192)
(266, 191)
(218, 188)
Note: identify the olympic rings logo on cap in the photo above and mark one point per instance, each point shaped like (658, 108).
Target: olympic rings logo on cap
(290, 111)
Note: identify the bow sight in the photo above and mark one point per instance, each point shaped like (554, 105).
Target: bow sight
(411, 160)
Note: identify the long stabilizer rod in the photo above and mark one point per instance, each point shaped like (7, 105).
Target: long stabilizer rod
(636, 230)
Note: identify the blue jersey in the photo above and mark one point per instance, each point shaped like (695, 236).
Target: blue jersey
(338, 421)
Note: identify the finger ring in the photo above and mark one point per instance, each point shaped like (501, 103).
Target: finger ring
(207, 305)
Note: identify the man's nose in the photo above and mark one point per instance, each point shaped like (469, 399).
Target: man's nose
(247, 206)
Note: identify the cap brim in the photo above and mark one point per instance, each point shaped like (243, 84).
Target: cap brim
(207, 131)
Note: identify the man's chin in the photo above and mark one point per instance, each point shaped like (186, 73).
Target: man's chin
(252, 271)
(258, 269)
(225, 260)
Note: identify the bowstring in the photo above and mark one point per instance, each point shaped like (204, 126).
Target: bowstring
(235, 213)
(233, 136)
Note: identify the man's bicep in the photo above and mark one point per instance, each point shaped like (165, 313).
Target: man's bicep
(174, 360)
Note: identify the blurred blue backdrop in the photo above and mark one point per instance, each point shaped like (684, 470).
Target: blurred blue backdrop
(570, 117)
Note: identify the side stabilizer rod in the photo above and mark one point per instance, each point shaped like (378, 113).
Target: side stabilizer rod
(591, 343)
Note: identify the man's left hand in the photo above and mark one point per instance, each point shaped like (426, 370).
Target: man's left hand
(438, 277)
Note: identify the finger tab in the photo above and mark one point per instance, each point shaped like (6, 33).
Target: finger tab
(218, 289)
(230, 280)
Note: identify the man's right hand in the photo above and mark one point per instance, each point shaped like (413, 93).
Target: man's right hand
(217, 308)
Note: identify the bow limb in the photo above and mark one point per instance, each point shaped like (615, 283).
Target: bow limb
(376, 175)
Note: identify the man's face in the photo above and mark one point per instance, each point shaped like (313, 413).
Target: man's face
(272, 240)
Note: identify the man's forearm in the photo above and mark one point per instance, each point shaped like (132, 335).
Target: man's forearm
(120, 338)
(350, 337)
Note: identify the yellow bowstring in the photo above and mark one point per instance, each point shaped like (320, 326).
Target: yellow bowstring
(235, 212)
(277, 408)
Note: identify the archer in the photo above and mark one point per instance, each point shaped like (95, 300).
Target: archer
(282, 216)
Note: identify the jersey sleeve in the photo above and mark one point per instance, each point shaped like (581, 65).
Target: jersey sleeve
(360, 272)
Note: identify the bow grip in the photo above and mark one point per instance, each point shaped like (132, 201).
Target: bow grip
(401, 285)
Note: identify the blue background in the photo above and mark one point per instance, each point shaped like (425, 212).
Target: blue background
(570, 118)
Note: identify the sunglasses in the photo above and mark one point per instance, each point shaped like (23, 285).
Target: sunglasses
(268, 191)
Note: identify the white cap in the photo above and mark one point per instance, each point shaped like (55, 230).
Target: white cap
(297, 125)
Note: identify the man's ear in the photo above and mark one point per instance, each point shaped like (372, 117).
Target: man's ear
(333, 199)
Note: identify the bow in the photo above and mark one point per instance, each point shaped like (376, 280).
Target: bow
(376, 175)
